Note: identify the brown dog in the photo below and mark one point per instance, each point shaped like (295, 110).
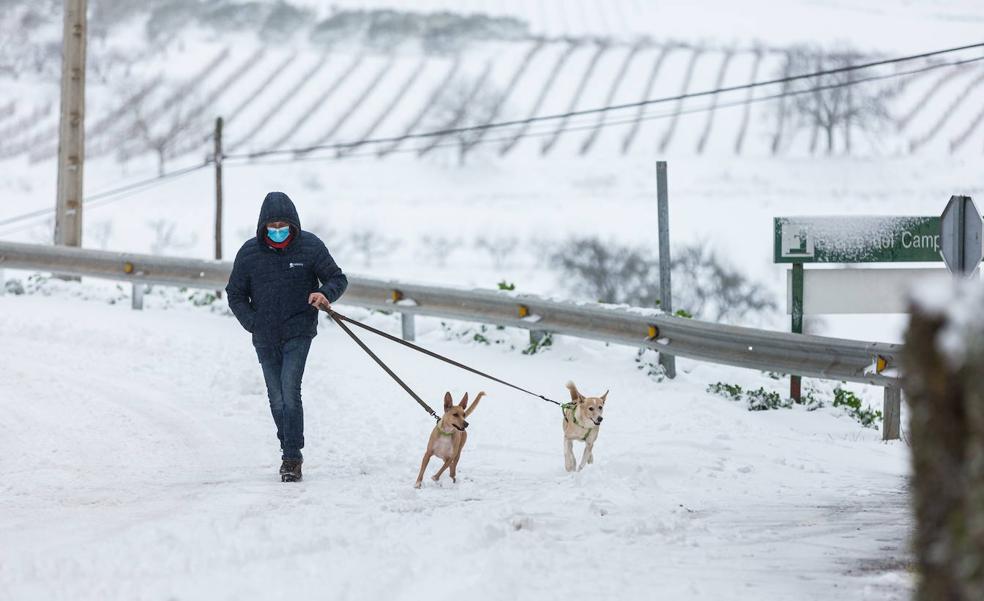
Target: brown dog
(582, 420)
(448, 437)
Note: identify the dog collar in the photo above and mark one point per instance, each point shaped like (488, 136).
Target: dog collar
(442, 432)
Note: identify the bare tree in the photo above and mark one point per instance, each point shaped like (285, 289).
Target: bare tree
(158, 129)
(165, 239)
(499, 248)
(371, 245)
(835, 102)
(439, 248)
(100, 232)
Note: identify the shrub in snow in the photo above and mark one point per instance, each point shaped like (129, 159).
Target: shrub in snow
(539, 344)
(13, 287)
(855, 408)
(761, 399)
(202, 298)
(608, 272)
(614, 273)
(728, 391)
(713, 290)
(647, 360)
(480, 334)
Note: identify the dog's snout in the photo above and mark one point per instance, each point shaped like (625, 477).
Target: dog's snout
(600, 419)
(465, 424)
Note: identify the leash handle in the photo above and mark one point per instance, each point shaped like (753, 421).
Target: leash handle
(338, 317)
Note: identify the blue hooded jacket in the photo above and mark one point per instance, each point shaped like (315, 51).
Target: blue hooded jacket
(268, 289)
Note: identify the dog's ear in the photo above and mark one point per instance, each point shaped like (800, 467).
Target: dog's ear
(448, 401)
(575, 395)
(604, 397)
(464, 401)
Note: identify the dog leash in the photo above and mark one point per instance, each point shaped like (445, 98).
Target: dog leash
(339, 318)
(379, 362)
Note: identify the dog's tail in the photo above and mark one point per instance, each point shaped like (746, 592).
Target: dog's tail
(474, 403)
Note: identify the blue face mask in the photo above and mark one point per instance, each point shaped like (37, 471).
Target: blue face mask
(278, 234)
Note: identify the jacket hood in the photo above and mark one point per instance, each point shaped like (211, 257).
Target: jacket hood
(277, 206)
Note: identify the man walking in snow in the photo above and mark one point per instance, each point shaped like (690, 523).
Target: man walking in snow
(279, 281)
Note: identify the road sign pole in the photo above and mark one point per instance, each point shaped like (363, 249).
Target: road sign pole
(665, 289)
(795, 390)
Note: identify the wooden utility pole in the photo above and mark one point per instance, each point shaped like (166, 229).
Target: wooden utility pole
(942, 365)
(71, 130)
(665, 289)
(218, 189)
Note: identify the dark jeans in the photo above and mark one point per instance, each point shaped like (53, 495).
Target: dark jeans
(283, 367)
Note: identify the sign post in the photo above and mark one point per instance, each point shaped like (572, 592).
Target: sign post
(665, 290)
(795, 384)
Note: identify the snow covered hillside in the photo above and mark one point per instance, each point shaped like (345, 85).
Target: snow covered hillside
(286, 79)
(139, 462)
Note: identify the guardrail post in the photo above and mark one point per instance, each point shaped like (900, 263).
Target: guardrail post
(138, 295)
(891, 413)
(407, 326)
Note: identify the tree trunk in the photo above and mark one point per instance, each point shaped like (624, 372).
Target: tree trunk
(946, 396)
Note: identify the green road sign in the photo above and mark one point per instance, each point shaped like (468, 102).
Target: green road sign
(857, 239)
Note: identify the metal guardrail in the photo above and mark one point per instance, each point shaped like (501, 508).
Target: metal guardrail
(798, 354)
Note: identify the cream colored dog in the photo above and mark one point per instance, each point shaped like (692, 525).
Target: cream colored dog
(448, 437)
(582, 420)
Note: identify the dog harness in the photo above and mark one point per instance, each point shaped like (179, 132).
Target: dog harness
(573, 418)
(442, 432)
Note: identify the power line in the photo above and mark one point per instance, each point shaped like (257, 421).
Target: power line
(614, 107)
(114, 194)
(586, 126)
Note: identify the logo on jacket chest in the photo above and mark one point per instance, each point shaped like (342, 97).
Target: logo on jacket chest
(293, 265)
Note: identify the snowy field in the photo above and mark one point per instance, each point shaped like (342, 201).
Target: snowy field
(139, 462)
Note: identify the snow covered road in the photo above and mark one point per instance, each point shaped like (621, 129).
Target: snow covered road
(138, 461)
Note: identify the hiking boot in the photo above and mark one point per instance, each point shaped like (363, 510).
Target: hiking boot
(290, 470)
